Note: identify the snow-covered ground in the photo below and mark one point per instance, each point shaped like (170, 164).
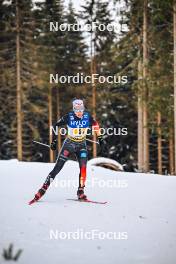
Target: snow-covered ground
(140, 215)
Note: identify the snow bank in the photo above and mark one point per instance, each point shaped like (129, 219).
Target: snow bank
(105, 162)
(136, 226)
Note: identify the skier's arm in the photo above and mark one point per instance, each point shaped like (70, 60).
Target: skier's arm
(95, 126)
(61, 122)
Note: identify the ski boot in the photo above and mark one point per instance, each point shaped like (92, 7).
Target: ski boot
(39, 194)
(80, 194)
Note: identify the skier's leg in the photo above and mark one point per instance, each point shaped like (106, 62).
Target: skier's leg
(61, 159)
(82, 159)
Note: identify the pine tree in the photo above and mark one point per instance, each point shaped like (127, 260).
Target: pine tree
(75, 48)
(53, 48)
(100, 47)
(25, 62)
(160, 73)
(7, 82)
(174, 34)
(156, 78)
(75, 58)
(18, 28)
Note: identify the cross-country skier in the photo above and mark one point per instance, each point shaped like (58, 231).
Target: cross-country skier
(78, 122)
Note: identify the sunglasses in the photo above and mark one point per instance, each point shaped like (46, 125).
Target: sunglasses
(78, 111)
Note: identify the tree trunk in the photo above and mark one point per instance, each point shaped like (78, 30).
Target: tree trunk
(159, 143)
(171, 152)
(94, 110)
(58, 116)
(93, 70)
(140, 118)
(145, 92)
(174, 33)
(50, 121)
(18, 87)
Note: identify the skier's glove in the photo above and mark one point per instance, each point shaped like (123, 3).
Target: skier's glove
(102, 145)
(53, 144)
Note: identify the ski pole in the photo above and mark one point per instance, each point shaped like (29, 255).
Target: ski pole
(48, 146)
(92, 141)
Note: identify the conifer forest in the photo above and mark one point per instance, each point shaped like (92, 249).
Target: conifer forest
(129, 47)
